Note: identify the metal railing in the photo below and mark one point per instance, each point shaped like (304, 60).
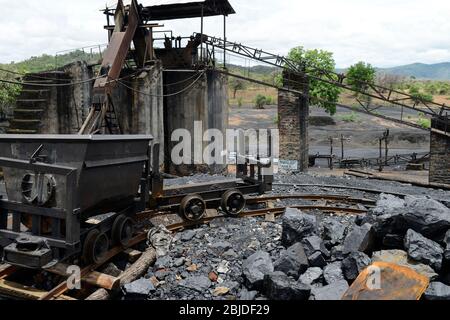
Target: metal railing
(90, 54)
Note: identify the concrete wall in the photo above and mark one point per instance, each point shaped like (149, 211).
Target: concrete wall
(293, 117)
(140, 109)
(57, 117)
(192, 98)
(67, 106)
(143, 109)
(439, 155)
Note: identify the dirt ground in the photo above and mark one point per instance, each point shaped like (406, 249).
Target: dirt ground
(361, 136)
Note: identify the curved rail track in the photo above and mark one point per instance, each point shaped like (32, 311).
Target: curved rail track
(339, 205)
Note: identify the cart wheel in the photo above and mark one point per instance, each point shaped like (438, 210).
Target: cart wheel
(233, 202)
(193, 207)
(122, 231)
(95, 247)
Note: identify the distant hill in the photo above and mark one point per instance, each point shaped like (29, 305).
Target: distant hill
(439, 71)
(47, 62)
(421, 71)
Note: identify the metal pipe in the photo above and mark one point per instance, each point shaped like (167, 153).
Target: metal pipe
(224, 41)
(201, 31)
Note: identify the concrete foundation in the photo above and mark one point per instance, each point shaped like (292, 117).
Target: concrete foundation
(194, 98)
(439, 154)
(293, 118)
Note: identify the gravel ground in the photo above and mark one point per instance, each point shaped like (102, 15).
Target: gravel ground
(386, 186)
(207, 262)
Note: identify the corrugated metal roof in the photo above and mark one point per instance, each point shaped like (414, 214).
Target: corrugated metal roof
(182, 10)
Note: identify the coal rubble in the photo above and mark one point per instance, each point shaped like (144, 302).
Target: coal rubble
(301, 256)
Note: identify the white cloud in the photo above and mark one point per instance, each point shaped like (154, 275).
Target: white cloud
(384, 33)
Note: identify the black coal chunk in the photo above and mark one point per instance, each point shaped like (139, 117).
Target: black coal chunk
(293, 262)
(424, 250)
(278, 286)
(255, 267)
(360, 239)
(354, 264)
(437, 291)
(296, 226)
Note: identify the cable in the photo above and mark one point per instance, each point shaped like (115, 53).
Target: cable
(165, 95)
(182, 81)
(31, 75)
(37, 84)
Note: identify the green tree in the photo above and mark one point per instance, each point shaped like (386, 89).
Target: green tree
(321, 94)
(360, 76)
(237, 84)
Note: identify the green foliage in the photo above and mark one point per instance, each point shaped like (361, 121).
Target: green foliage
(276, 120)
(270, 100)
(240, 102)
(49, 62)
(423, 121)
(420, 96)
(322, 94)
(260, 101)
(8, 94)
(360, 75)
(353, 117)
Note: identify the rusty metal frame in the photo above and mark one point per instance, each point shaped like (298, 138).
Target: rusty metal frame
(377, 92)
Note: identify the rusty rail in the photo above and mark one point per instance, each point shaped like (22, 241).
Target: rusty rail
(60, 290)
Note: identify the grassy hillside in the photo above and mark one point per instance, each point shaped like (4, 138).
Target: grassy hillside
(48, 62)
(439, 71)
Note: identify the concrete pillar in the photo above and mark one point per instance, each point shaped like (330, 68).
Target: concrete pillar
(58, 116)
(440, 151)
(293, 119)
(191, 99)
(140, 109)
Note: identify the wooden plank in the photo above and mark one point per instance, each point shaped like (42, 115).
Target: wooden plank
(94, 278)
(62, 287)
(133, 273)
(15, 290)
(6, 271)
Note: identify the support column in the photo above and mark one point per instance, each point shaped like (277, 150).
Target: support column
(293, 121)
(440, 151)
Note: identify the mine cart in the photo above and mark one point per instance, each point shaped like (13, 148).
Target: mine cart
(75, 196)
(55, 184)
(253, 176)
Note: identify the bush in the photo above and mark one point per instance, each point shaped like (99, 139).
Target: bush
(276, 120)
(260, 101)
(270, 100)
(8, 94)
(353, 117)
(423, 121)
(418, 96)
(240, 102)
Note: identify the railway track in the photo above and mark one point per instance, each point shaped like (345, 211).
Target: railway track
(365, 190)
(96, 279)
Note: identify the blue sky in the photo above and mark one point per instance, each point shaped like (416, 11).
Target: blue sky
(384, 33)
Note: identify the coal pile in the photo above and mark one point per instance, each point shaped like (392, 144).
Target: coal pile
(301, 256)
